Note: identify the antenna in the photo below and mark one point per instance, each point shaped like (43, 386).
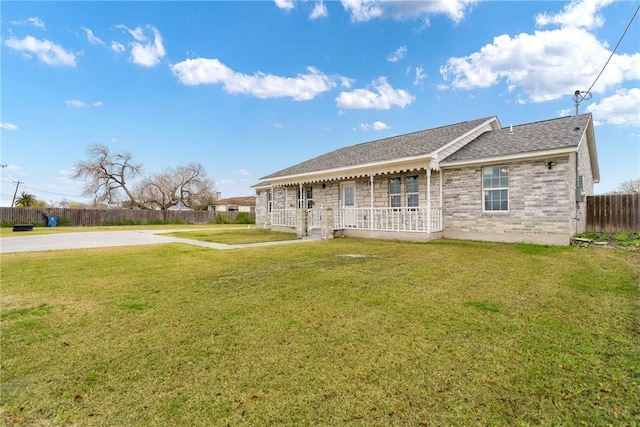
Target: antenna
(579, 96)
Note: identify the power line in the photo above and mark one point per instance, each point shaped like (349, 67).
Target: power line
(614, 49)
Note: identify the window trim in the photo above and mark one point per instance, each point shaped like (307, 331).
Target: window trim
(491, 189)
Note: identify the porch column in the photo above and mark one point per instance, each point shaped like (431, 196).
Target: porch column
(371, 203)
(441, 201)
(270, 208)
(428, 199)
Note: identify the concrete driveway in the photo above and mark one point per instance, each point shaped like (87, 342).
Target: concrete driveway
(103, 239)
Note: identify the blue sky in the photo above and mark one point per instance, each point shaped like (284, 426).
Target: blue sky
(249, 88)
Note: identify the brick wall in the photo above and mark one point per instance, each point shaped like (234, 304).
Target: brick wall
(541, 204)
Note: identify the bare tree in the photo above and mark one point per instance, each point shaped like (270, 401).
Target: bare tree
(188, 185)
(630, 187)
(107, 174)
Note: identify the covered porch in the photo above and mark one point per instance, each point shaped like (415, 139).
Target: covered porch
(396, 202)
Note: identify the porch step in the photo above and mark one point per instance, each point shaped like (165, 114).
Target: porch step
(314, 234)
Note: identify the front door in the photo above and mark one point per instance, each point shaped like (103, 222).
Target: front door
(349, 204)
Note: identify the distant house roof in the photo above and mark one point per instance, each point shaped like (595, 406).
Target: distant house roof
(465, 142)
(236, 201)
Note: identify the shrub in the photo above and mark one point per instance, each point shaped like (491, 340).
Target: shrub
(245, 218)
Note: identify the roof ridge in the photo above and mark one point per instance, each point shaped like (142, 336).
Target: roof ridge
(418, 131)
(545, 121)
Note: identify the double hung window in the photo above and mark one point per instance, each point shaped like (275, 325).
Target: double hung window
(309, 194)
(495, 188)
(412, 191)
(395, 192)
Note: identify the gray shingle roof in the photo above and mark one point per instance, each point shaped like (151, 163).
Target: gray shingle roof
(526, 138)
(413, 144)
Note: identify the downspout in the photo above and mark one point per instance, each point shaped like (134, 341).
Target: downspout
(429, 199)
(441, 203)
(371, 202)
(576, 193)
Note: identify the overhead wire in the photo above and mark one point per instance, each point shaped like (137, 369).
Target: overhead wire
(614, 49)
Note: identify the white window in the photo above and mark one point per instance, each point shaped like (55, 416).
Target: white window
(412, 191)
(309, 195)
(270, 201)
(395, 192)
(495, 188)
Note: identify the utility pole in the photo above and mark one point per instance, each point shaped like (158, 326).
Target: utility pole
(15, 193)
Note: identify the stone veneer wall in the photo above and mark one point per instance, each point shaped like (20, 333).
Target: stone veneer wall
(263, 219)
(540, 209)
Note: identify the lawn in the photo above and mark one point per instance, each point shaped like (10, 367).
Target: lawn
(235, 236)
(341, 332)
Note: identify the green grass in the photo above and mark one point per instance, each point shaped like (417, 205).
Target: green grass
(235, 236)
(342, 332)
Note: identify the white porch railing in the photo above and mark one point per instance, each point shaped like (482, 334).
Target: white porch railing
(313, 218)
(284, 217)
(389, 219)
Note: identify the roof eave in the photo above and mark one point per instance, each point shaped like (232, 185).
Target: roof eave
(532, 155)
(375, 168)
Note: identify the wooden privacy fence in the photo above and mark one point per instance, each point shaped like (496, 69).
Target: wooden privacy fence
(97, 217)
(617, 213)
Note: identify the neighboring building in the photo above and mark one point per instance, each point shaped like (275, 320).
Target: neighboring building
(471, 180)
(235, 204)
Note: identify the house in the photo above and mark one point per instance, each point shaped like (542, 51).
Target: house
(235, 204)
(471, 180)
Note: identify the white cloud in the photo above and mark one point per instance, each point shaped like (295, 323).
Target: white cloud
(365, 10)
(303, 87)
(319, 11)
(91, 38)
(34, 21)
(577, 14)
(244, 172)
(8, 126)
(622, 108)
(47, 51)
(285, 4)
(118, 47)
(382, 97)
(75, 103)
(400, 53)
(420, 76)
(546, 65)
(143, 51)
(564, 112)
(377, 125)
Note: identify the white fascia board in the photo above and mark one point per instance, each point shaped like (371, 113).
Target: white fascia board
(493, 121)
(593, 153)
(500, 159)
(375, 168)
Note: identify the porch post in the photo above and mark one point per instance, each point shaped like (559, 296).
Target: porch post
(429, 199)
(441, 201)
(371, 203)
(273, 197)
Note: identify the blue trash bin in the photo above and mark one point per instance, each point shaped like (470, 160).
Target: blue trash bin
(52, 221)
